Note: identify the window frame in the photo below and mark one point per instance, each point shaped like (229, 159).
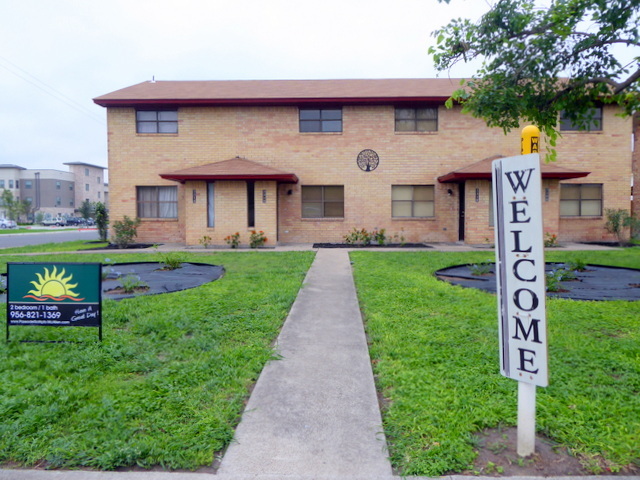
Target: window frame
(158, 123)
(323, 202)
(325, 119)
(154, 204)
(564, 187)
(566, 124)
(413, 201)
(415, 119)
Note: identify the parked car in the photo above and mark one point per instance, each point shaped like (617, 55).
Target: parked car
(75, 221)
(5, 223)
(57, 221)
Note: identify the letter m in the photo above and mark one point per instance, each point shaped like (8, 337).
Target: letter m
(532, 327)
(521, 179)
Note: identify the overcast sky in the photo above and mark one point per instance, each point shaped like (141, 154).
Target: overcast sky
(57, 55)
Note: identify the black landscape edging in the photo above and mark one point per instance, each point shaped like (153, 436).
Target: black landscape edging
(359, 245)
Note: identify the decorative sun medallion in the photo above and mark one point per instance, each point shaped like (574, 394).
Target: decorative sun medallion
(368, 160)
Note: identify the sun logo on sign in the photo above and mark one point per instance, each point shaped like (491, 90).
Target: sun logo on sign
(53, 286)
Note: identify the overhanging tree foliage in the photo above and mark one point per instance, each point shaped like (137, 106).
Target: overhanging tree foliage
(540, 61)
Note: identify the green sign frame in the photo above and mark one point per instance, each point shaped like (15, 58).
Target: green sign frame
(54, 295)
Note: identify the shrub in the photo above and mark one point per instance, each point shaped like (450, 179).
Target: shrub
(550, 240)
(102, 220)
(233, 240)
(482, 268)
(379, 236)
(205, 241)
(125, 231)
(131, 283)
(172, 261)
(257, 239)
(618, 220)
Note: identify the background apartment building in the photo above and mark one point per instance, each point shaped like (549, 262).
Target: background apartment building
(54, 193)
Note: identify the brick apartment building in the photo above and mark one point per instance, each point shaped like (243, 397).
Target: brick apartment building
(309, 161)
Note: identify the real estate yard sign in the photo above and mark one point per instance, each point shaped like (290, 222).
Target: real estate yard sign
(54, 294)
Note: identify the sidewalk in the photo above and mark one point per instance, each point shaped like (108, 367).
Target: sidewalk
(314, 413)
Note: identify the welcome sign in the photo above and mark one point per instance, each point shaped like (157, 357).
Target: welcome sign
(54, 294)
(520, 273)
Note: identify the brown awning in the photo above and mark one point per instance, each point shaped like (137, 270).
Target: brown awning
(233, 169)
(482, 171)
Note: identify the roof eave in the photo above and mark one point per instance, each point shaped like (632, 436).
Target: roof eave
(182, 178)
(459, 177)
(200, 102)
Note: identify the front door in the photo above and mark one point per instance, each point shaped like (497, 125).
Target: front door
(461, 212)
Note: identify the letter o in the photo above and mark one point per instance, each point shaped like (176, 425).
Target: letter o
(533, 297)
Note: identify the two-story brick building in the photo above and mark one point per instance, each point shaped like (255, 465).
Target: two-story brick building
(309, 161)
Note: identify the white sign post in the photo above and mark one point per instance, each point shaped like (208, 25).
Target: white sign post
(520, 277)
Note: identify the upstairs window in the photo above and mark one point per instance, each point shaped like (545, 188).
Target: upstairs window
(417, 119)
(321, 120)
(323, 201)
(157, 121)
(581, 200)
(592, 121)
(28, 184)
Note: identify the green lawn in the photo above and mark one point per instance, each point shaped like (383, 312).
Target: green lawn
(434, 347)
(168, 383)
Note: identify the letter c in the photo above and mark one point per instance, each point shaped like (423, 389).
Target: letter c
(516, 272)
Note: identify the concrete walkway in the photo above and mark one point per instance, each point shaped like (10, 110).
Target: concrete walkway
(314, 413)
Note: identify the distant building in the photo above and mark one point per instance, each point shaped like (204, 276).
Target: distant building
(90, 184)
(54, 193)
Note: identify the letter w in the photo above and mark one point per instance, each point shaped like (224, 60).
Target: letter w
(519, 179)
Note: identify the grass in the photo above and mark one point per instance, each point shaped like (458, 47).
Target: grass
(54, 247)
(434, 347)
(168, 383)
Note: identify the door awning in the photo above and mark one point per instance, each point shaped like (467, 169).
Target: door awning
(482, 171)
(234, 169)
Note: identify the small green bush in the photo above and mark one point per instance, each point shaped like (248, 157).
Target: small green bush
(132, 282)
(125, 231)
(172, 261)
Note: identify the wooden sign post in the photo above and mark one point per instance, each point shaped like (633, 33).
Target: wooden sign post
(520, 277)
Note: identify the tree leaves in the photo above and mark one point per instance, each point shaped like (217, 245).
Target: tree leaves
(540, 61)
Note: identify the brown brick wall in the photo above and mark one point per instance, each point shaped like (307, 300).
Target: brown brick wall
(269, 135)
